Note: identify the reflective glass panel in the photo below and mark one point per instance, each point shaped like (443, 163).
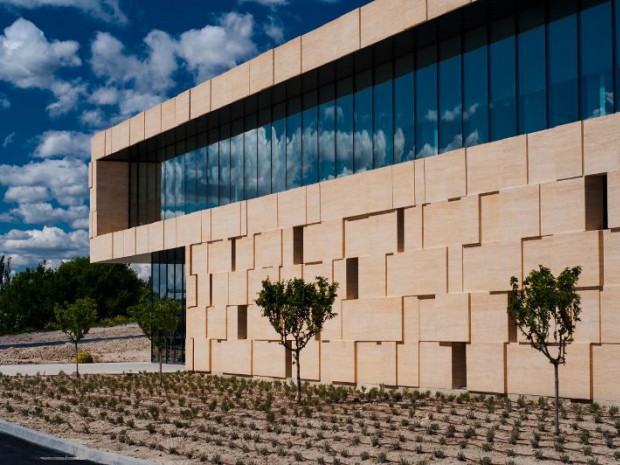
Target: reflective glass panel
(450, 95)
(503, 79)
(362, 142)
(293, 144)
(344, 128)
(310, 142)
(236, 162)
(426, 102)
(383, 121)
(251, 158)
(278, 148)
(264, 152)
(327, 129)
(225, 180)
(476, 87)
(212, 173)
(404, 141)
(201, 170)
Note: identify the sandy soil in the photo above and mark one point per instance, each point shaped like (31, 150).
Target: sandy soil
(197, 418)
(119, 350)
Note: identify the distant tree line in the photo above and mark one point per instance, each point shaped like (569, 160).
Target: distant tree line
(28, 298)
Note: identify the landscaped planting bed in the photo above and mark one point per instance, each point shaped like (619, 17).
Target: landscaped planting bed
(197, 418)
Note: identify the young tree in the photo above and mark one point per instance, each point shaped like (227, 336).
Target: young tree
(297, 311)
(546, 310)
(75, 321)
(157, 319)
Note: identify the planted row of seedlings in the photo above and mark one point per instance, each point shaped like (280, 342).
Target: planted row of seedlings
(199, 418)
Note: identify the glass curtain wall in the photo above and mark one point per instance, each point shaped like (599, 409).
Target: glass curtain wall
(168, 280)
(550, 64)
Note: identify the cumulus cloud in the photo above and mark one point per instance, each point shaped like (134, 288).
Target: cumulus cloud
(274, 30)
(66, 180)
(106, 10)
(29, 61)
(49, 243)
(63, 143)
(8, 140)
(45, 213)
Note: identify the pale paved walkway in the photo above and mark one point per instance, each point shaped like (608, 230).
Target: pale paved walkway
(88, 368)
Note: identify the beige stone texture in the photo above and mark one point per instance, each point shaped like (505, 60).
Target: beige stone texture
(262, 214)
(411, 320)
(201, 354)
(217, 325)
(206, 225)
(422, 272)
(152, 122)
(451, 222)
(220, 256)
(313, 203)
(407, 364)
(606, 372)
(376, 363)
(111, 196)
(268, 249)
(338, 361)
(199, 263)
(189, 229)
(244, 253)
(489, 267)
(255, 279)
(168, 115)
(420, 181)
(601, 144)
(219, 289)
(118, 244)
(563, 206)
(259, 328)
(97, 146)
(142, 239)
(197, 322)
(403, 187)
(320, 47)
(612, 257)
(156, 236)
(216, 356)
(310, 366)
(136, 129)
(486, 367)
(231, 86)
(200, 99)
(261, 72)
(102, 248)
(455, 269)
(579, 249)
(589, 328)
(372, 276)
(314, 270)
(529, 372)
(489, 319)
(613, 192)
(371, 235)
(269, 359)
(181, 108)
(108, 141)
(332, 330)
(383, 18)
(610, 315)
(203, 283)
(445, 176)
(170, 233)
(238, 288)
(412, 219)
(129, 242)
(237, 357)
(226, 221)
(445, 318)
(364, 193)
(440, 7)
(497, 165)
(287, 60)
(291, 272)
(291, 208)
(191, 290)
(372, 319)
(435, 365)
(323, 241)
(120, 136)
(555, 153)
(510, 214)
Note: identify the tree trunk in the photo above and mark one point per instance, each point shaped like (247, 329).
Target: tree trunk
(161, 376)
(297, 352)
(77, 367)
(556, 367)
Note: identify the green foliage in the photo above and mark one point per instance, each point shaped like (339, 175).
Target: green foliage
(75, 320)
(157, 319)
(83, 356)
(547, 309)
(28, 298)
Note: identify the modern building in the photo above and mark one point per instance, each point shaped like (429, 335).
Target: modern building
(419, 153)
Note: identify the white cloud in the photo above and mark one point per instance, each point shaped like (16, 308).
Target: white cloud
(29, 61)
(266, 2)
(5, 103)
(143, 270)
(106, 10)
(8, 140)
(66, 180)
(26, 194)
(105, 96)
(45, 213)
(274, 30)
(50, 243)
(213, 49)
(63, 143)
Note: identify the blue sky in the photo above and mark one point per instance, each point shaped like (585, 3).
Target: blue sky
(69, 68)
